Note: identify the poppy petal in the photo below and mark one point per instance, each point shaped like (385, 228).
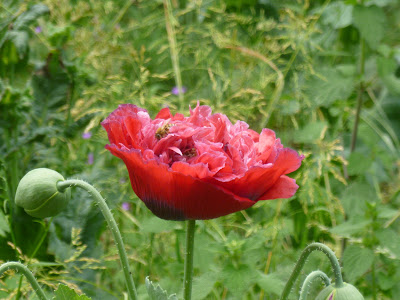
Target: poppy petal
(175, 196)
(259, 179)
(165, 114)
(284, 187)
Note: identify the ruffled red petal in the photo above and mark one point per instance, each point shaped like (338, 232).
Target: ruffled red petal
(284, 187)
(165, 114)
(175, 196)
(258, 180)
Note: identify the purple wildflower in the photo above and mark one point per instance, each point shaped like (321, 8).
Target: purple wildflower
(86, 135)
(90, 159)
(175, 90)
(38, 29)
(126, 206)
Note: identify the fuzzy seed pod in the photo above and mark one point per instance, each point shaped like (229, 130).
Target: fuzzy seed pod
(37, 193)
(345, 292)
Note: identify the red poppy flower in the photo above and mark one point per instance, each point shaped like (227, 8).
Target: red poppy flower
(201, 166)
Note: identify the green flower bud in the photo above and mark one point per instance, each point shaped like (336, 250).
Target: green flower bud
(345, 292)
(37, 193)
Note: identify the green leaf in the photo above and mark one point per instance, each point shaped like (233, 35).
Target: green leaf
(354, 198)
(4, 228)
(238, 280)
(311, 132)
(371, 22)
(63, 292)
(381, 3)
(157, 225)
(331, 85)
(357, 261)
(386, 70)
(203, 285)
(389, 239)
(349, 228)
(26, 18)
(270, 283)
(338, 15)
(358, 164)
(157, 293)
(386, 282)
(51, 86)
(20, 39)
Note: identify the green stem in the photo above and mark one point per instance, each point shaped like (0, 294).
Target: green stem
(360, 93)
(18, 295)
(373, 282)
(169, 23)
(44, 234)
(188, 274)
(300, 263)
(309, 280)
(359, 97)
(111, 224)
(17, 266)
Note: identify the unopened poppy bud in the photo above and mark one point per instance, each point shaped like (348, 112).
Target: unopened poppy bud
(37, 193)
(345, 292)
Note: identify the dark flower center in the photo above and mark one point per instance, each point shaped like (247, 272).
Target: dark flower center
(190, 153)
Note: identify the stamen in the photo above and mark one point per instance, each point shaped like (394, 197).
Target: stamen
(190, 152)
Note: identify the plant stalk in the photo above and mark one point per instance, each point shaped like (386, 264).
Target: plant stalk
(170, 25)
(188, 273)
(300, 263)
(17, 266)
(359, 97)
(62, 185)
(309, 280)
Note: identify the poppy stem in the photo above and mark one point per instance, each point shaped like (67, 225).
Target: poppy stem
(302, 260)
(17, 266)
(62, 185)
(188, 273)
(305, 289)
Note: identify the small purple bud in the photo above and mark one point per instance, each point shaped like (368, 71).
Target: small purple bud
(90, 159)
(87, 135)
(38, 29)
(175, 90)
(126, 206)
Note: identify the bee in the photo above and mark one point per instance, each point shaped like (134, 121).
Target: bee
(163, 131)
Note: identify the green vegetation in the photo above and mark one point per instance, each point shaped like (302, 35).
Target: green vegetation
(324, 75)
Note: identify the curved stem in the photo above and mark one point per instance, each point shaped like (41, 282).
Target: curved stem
(188, 274)
(111, 224)
(17, 266)
(309, 280)
(300, 263)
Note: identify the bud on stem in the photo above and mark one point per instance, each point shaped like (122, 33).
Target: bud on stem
(302, 260)
(38, 194)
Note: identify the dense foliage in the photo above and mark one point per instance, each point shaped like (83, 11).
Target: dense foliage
(324, 75)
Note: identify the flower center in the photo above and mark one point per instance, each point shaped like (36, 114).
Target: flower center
(190, 153)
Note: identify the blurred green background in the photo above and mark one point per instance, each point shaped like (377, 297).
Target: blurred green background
(324, 75)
